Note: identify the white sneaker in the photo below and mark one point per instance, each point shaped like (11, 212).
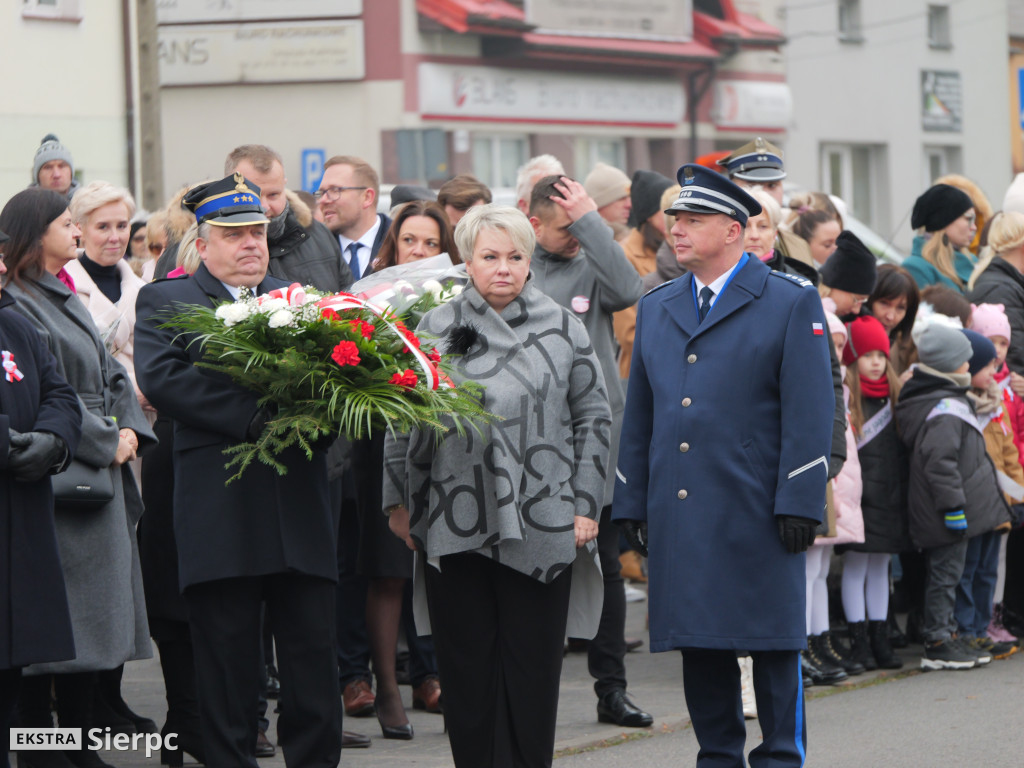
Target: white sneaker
(747, 687)
(634, 595)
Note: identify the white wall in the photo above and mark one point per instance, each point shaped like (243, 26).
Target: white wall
(870, 93)
(66, 78)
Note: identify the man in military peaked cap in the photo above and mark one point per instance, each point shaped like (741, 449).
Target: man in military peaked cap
(722, 469)
(266, 537)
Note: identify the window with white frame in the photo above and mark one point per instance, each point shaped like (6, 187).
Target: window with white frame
(62, 10)
(851, 172)
(939, 35)
(940, 161)
(497, 158)
(849, 21)
(591, 151)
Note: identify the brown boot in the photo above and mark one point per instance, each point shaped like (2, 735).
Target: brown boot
(632, 567)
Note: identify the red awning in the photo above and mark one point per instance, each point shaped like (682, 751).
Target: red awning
(485, 17)
(633, 50)
(741, 28)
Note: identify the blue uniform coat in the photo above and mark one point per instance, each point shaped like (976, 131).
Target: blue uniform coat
(727, 424)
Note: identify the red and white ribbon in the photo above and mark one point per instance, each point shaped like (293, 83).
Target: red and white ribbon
(342, 301)
(10, 367)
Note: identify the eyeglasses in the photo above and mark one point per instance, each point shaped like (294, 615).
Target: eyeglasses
(332, 193)
(156, 248)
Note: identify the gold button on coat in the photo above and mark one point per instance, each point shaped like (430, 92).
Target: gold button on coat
(684, 447)
(691, 359)
(686, 402)
(682, 494)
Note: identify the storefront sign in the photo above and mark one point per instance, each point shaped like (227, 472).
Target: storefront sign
(261, 53)
(671, 19)
(752, 104)
(941, 101)
(188, 11)
(526, 95)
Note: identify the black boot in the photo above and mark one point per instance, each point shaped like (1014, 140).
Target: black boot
(896, 637)
(819, 670)
(35, 711)
(110, 708)
(825, 645)
(75, 695)
(860, 648)
(179, 670)
(878, 632)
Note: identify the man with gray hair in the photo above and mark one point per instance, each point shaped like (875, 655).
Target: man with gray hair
(535, 169)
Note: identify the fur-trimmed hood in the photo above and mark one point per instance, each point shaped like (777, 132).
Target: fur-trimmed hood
(302, 212)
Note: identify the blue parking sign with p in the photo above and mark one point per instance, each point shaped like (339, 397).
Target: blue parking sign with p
(312, 168)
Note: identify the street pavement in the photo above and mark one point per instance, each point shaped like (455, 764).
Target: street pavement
(881, 718)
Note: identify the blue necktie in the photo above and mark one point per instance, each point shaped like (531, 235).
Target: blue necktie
(705, 302)
(353, 259)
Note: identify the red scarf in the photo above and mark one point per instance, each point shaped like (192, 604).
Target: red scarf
(874, 387)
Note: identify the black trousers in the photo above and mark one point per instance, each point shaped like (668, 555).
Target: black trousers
(607, 650)
(224, 617)
(10, 685)
(711, 684)
(498, 635)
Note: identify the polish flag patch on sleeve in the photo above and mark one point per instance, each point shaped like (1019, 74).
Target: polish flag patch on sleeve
(817, 329)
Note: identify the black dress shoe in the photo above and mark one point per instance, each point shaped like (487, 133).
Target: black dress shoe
(264, 747)
(273, 682)
(615, 707)
(350, 740)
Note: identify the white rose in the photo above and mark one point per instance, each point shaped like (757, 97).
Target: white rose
(434, 287)
(280, 319)
(271, 306)
(232, 314)
(456, 290)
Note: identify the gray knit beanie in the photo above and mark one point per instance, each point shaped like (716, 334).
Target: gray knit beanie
(50, 149)
(942, 348)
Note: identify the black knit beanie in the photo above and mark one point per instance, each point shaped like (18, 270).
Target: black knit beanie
(645, 194)
(938, 207)
(851, 267)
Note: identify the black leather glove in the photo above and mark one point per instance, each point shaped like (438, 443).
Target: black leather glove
(34, 455)
(797, 533)
(635, 532)
(259, 421)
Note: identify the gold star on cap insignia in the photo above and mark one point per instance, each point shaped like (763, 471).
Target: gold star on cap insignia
(236, 198)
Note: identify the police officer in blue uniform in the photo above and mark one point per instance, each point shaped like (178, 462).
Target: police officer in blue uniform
(722, 470)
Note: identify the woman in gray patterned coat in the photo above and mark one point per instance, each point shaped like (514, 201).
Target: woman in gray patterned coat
(98, 550)
(498, 517)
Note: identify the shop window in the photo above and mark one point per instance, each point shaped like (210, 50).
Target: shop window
(496, 159)
(852, 172)
(938, 27)
(422, 156)
(61, 10)
(590, 152)
(849, 21)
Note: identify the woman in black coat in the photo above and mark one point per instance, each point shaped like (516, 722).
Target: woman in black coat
(40, 425)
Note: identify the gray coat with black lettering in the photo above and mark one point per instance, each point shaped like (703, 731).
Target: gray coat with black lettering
(950, 469)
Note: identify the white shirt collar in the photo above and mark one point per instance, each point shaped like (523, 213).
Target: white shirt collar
(367, 240)
(717, 284)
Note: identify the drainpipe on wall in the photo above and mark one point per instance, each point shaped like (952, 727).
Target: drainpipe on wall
(129, 94)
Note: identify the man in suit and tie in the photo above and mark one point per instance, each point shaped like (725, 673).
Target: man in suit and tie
(723, 462)
(347, 197)
(264, 538)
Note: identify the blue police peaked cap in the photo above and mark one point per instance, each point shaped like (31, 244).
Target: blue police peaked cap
(234, 201)
(706, 191)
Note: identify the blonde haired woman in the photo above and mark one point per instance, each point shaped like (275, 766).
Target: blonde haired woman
(945, 219)
(1001, 281)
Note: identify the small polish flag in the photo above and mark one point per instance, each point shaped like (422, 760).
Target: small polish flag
(817, 328)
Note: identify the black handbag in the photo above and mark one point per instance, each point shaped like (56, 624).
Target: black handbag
(83, 486)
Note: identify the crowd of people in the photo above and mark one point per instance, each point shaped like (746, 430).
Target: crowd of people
(835, 411)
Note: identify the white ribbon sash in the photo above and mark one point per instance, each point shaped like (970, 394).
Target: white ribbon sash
(873, 427)
(961, 410)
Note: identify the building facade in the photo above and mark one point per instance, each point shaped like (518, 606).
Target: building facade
(891, 94)
(425, 89)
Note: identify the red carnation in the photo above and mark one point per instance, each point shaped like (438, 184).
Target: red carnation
(412, 338)
(435, 356)
(329, 314)
(363, 327)
(405, 379)
(346, 353)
